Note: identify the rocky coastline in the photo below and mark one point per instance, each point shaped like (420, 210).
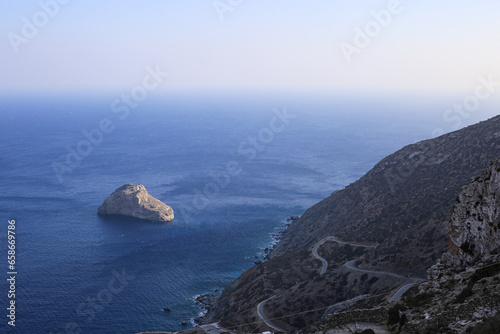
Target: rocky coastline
(207, 301)
(276, 237)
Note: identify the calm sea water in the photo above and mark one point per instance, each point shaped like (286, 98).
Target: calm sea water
(233, 170)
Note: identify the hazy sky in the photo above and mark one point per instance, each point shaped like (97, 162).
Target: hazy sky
(283, 45)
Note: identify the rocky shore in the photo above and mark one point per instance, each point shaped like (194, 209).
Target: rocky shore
(276, 236)
(205, 303)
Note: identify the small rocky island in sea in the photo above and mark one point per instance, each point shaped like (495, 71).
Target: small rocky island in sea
(133, 200)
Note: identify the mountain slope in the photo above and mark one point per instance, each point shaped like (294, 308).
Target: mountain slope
(404, 200)
(402, 205)
(462, 293)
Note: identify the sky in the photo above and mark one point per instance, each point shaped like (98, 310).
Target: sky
(331, 46)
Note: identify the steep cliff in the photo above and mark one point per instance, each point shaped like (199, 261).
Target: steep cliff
(462, 292)
(474, 230)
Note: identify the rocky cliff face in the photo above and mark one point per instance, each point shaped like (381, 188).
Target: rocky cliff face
(134, 201)
(475, 224)
(462, 292)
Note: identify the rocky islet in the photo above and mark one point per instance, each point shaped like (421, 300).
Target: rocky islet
(133, 200)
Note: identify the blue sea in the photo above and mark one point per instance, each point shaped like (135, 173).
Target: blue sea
(232, 168)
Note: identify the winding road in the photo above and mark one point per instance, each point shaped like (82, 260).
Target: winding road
(263, 316)
(332, 238)
(397, 296)
(351, 265)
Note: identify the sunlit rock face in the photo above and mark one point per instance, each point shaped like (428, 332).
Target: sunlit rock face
(134, 201)
(475, 224)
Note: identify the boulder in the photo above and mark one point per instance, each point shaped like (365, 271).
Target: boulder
(133, 200)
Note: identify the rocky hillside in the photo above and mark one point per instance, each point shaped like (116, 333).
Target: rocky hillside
(402, 205)
(462, 293)
(475, 224)
(403, 202)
